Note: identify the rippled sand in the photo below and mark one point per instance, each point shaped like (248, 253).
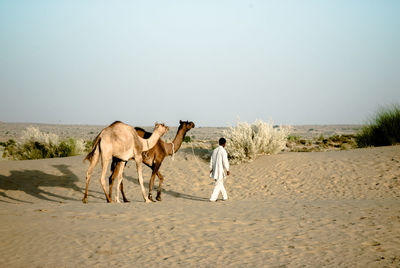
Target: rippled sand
(335, 209)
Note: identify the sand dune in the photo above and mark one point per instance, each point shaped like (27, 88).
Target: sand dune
(335, 209)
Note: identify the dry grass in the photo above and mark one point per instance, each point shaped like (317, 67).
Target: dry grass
(245, 141)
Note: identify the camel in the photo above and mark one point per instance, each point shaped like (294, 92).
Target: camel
(153, 158)
(121, 141)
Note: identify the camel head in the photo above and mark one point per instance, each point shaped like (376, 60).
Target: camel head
(161, 128)
(186, 125)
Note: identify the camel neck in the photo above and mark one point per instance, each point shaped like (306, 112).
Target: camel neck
(180, 135)
(149, 143)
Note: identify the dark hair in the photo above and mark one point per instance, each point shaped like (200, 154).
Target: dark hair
(222, 141)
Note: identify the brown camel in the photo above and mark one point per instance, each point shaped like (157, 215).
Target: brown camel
(153, 158)
(121, 141)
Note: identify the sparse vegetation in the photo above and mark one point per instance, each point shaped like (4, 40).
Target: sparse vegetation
(335, 142)
(37, 145)
(245, 141)
(187, 139)
(293, 138)
(383, 129)
(88, 145)
(9, 147)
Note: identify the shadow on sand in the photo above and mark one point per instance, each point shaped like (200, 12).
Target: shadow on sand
(32, 183)
(167, 192)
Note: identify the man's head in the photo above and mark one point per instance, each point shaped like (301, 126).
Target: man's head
(222, 142)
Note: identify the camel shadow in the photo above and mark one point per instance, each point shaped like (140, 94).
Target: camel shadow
(33, 182)
(168, 192)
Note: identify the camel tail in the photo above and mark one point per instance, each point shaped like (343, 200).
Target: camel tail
(94, 148)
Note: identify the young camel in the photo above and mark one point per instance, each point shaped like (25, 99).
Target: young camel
(121, 141)
(153, 158)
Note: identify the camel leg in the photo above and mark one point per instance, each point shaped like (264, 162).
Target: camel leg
(104, 162)
(153, 177)
(138, 160)
(120, 171)
(114, 169)
(161, 180)
(122, 188)
(92, 165)
(123, 194)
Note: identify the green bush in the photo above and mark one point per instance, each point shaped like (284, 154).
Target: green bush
(88, 145)
(10, 148)
(38, 145)
(66, 148)
(293, 138)
(33, 150)
(187, 139)
(383, 129)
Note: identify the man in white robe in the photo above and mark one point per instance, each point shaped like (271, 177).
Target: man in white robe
(218, 165)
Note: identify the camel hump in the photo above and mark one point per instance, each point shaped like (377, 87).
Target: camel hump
(116, 123)
(143, 133)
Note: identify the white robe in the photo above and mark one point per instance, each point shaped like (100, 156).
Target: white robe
(219, 163)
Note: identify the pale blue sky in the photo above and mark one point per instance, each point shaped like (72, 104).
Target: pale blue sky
(295, 62)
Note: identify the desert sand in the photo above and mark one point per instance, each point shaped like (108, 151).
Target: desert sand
(333, 209)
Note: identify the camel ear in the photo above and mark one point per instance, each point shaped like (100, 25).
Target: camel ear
(156, 123)
(180, 122)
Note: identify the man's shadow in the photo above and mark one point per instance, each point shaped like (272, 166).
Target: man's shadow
(32, 183)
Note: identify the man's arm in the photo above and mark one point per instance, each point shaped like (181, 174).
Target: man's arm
(225, 162)
(211, 164)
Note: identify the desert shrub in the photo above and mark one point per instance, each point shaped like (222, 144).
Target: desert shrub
(34, 150)
(37, 145)
(34, 134)
(335, 138)
(9, 148)
(293, 138)
(383, 129)
(88, 145)
(68, 148)
(245, 141)
(187, 139)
